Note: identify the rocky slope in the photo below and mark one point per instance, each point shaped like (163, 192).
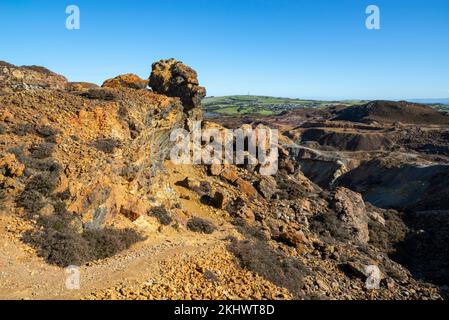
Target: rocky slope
(85, 180)
(395, 155)
(15, 79)
(389, 111)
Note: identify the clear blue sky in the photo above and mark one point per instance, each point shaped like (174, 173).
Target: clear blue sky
(294, 48)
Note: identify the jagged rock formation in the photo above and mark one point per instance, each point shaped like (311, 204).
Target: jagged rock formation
(351, 210)
(99, 156)
(174, 79)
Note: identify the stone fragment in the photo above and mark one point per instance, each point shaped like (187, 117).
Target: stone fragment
(351, 212)
(266, 186)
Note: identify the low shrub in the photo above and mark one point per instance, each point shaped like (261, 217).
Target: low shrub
(273, 265)
(161, 214)
(201, 226)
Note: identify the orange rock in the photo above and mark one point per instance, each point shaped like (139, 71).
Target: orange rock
(293, 238)
(175, 79)
(80, 86)
(230, 174)
(246, 187)
(126, 81)
(13, 168)
(130, 214)
(6, 116)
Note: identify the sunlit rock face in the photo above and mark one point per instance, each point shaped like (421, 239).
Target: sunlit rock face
(14, 79)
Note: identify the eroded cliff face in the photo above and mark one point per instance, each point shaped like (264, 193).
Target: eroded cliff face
(85, 157)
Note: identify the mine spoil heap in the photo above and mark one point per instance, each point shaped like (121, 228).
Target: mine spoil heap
(85, 180)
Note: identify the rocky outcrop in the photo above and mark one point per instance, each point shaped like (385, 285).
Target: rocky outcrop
(267, 186)
(80, 86)
(14, 79)
(174, 79)
(351, 212)
(129, 80)
(78, 170)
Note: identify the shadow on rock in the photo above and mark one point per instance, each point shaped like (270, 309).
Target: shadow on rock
(425, 250)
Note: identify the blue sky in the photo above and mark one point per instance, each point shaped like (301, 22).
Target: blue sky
(291, 48)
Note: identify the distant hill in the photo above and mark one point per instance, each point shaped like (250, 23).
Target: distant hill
(391, 111)
(431, 101)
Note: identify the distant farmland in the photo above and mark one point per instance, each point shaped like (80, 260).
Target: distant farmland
(264, 105)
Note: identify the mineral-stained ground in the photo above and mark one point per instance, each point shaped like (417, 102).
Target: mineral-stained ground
(86, 180)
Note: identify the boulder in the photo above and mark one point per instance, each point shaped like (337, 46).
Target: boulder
(80, 86)
(351, 212)
(246, 188)
(230, 174)
(174, 79)
(126, 81)
(293, 238)
(238, 208)
(266, 186)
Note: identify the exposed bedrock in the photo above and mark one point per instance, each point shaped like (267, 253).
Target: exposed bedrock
(322, 167)
(76, 158)
(15, 79)
(347, 140)
(392, 182)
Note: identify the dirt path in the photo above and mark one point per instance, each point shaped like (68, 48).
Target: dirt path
(26, 276)
(172, 263)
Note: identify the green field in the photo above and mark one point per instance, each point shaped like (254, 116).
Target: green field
(238, 110)
(262, 105)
